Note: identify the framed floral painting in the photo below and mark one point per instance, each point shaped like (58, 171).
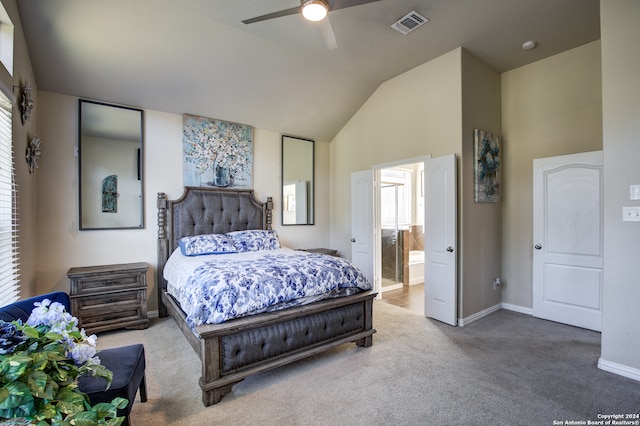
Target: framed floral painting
(217, 153)
(487, 167)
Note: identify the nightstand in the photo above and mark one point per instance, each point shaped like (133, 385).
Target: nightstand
(330, 252)
(107, 297)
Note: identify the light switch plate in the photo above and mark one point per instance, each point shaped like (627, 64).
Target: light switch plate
(631, 214)
(634, 192)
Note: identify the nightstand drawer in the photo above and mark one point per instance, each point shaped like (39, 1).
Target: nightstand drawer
(98, 279)
(114, 310)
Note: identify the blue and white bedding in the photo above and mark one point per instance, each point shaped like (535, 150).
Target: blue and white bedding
(215, 288)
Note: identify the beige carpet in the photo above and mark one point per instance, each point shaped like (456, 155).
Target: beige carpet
(506, 369)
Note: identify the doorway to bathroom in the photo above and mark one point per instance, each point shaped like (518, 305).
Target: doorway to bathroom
(401, 235)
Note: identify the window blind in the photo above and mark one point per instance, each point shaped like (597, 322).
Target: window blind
(9, 258)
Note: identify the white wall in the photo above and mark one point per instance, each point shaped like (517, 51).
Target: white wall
(551, 107)
(620, 31)
(60, 245)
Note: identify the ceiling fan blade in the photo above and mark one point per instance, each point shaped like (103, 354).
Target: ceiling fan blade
(326, 32)
(343, 4)
(333, 5)
(279, 14)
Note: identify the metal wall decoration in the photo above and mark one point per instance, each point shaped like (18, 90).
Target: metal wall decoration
(33, 154)
(110, 194)
(26, 106)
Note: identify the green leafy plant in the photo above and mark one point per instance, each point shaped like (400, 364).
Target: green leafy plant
(40, 363)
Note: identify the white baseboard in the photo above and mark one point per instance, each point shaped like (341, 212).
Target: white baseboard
(391, 287)
(508, 306)
(517, 308)
(153, 314)
(475, 317)
(619, 369)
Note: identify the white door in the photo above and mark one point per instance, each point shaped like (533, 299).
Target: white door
(362, 221)
(567, 238)
(440, 282)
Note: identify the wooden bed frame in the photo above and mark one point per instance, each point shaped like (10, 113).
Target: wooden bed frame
(233, 350)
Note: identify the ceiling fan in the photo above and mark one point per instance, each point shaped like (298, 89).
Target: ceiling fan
(316, 11)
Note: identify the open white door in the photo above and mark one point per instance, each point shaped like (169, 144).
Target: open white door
(440, 275)
(362, 222)
(568, 239)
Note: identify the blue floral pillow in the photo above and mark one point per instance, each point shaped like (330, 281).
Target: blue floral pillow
(207, 244)
(254, 240)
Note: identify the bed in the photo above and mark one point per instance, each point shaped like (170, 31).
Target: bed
(231, 350)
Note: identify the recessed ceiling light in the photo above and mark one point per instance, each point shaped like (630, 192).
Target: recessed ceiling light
(528, 45)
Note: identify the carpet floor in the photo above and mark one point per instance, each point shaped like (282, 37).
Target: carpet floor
(504, 369)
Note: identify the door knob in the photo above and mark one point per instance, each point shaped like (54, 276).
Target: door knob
(449, 249)
(538, 246)
(353, 240)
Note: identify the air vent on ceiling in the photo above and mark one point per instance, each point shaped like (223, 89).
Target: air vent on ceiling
(409, 22)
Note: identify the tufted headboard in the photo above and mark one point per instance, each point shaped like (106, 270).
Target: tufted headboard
(205, 210)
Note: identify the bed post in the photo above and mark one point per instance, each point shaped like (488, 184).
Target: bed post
(163, 251)
(268, 216)
(368, 323)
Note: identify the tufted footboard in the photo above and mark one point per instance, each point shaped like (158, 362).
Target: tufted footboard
(239, 348)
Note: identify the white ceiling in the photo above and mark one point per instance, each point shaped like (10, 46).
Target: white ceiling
(197, 57)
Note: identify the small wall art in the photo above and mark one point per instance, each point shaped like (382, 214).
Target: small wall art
(110, 194)
(217, 153)
(487, 166)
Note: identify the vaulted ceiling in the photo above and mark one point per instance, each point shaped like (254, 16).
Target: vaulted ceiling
(197, 57)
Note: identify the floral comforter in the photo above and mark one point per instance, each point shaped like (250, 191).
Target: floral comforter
(215, 288)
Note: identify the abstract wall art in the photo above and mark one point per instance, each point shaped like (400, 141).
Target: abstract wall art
(487, 164)
(217, 153)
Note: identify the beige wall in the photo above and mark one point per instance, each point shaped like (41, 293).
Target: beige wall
(480, 250)
(621, 132)
(22, 134)
(431, 109)
(414, 114)
(551, 107)
(60, 245)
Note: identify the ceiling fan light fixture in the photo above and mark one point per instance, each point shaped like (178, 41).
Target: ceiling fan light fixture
(315, 10)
